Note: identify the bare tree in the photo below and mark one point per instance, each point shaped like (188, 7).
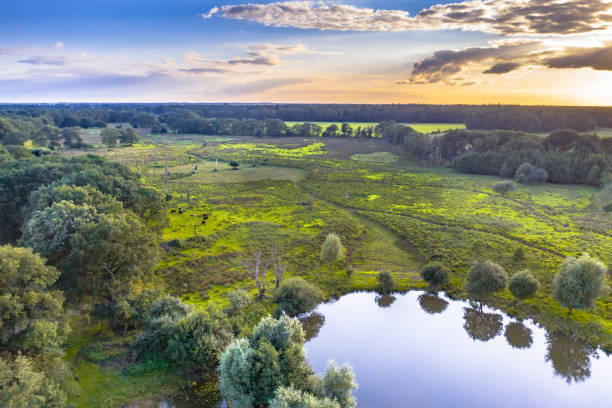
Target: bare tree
(257, 269)
(277, 257)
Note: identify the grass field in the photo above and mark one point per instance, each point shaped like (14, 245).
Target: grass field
(390, 213)
(419, 127)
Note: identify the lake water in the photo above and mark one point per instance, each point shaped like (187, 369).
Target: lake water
(419, 350)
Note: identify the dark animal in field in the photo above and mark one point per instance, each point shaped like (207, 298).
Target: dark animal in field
(180, 211)
(203, 221)
(172, 211)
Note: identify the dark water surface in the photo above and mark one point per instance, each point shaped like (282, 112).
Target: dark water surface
(419, 350)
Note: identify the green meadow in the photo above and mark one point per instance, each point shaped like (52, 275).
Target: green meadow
(419, 127)
(391, 214)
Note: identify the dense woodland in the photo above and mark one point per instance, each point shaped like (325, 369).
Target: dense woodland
(185, 117)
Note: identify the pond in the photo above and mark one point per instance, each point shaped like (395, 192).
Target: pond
(421, 350)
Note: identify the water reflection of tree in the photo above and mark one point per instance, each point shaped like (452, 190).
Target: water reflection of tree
(480, 325)
(518, 335)
(570, 356)
(312, 324)
(432, 304)
(384, 300)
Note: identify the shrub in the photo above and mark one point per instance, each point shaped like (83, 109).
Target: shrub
(339, 383)
(579, 282)
(435, 274)
(199, 339)
(332, 249)
(486, 278)
(239, 299)
(527, 173)
(296, 296)
(524, 285)
(518, 255)
(504, 187)
(386, 283)
(289, 397)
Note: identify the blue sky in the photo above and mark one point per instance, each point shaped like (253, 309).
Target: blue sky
(348, 51)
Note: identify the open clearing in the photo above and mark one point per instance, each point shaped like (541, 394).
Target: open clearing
(419, 127)
(205, 173)
(376, 157)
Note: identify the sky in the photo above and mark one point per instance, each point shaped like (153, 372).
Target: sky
(354, 51)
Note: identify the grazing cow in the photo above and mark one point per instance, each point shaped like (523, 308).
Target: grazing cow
(180, 211)
(203, 221)
(172, 211)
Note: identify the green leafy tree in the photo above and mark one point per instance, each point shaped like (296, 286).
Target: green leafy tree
(23, 384)
(296, 296)
(504, 187)
(72, 137)
(524, 285)
(347, 130)
(486, 278)
(25, 294)
(234, 164)
(107, 255)
(128, 136)
(250, 370)
(435, 273)
(579, 282)
(199, 339)
(339, 383)
(332, 249)
(52, 135)
(239, 300)
(386, 283)
(110, 136)
(49, 230)
(289, 397)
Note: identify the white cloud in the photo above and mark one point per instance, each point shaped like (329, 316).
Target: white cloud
(492, 16)
(59, 44)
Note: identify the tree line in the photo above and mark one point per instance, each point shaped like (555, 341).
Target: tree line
(564, 156)
(484, 117)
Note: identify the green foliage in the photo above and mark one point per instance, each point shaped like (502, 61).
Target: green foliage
(296, 296)
(386, 283)
(234, 164)
(332, 249)
(72, 137)
(239, 300)
(128, 136)
(486, 278)
(339, 383)
(199, 339)
(250, 370)
(160, 327)
(110, 136)
(530, 174)
(524, 285)
(504, 187)
(25, 294)
(289, 397)
(105, 256)
(435, 273)
(579, 282)
(49, 230)
(22, 384)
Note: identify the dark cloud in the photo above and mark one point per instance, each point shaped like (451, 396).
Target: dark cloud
(45, 60)
(596, 58)
(255, 59)
(493, 16)
(502, 68)
(445, 63)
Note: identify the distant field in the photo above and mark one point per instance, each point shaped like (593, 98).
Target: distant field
(376, 157)
(245, 173)
(419, 127)
(604, 132)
